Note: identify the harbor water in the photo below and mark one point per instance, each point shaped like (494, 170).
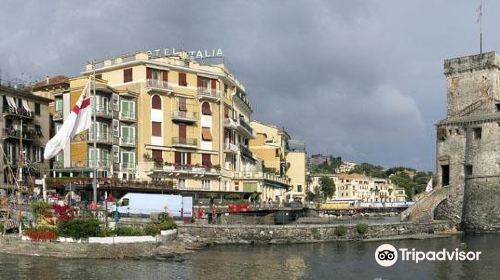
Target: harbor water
(338, 260)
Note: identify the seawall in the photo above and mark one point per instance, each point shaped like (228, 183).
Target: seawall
(299, 233)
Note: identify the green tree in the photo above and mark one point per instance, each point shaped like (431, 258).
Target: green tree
(327, 186)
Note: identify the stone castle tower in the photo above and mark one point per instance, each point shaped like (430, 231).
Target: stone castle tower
(468, 143)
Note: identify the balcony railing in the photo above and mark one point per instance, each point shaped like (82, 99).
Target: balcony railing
(245, 151)
(185, 169)
(230, 148)
(103, 111)
(230, 123)
(246, 128)
(100, 163)
(262, 176)
(58, 116)
(103, 138)
(185, 116)
(127, 141)
(127, 166)
(127, 116)
(184, 142)
(208, 92)
(19, 112)
(9, 132)
(158, 85)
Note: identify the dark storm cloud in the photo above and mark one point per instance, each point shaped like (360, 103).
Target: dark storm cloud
(360, 79)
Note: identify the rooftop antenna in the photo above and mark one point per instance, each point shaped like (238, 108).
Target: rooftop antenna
(480, 21)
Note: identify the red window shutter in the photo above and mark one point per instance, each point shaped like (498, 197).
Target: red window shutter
(188, 158)
(226, 112)
(178, 157)
(127, 75)
(156, 128)
(182, 104)
(157, 155)
(199, 82)
(206, 160)
(165, 76)
(182, 131)
(156, 102)
(206, 135)
(182, 79)
(149, 73)
(213, 84)
(205, 108)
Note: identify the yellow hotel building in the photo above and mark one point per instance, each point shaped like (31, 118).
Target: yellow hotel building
(183, 125)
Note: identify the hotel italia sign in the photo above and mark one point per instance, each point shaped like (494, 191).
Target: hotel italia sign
(197, 54)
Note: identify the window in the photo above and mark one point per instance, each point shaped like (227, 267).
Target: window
(226, 112)
(477, 133)
(156, 128)
(182, 80)
(182, 158)
(128, 134)
(182, 132)
(156, 102)
(182, 104)
(37, 108)
(181, 183)
(205, 108)
(157, 155)
(98, 76)
(468, 170)
(445, 175)
(59, 104)
(128, 108)
(128, 159)
(299, 188)
(127, 75)
(205, 134)
(206, 160)
(155, 74)
(205, 184)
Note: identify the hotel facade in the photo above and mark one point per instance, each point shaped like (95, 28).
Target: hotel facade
(164, 123)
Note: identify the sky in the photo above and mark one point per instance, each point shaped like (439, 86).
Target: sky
(358, 79)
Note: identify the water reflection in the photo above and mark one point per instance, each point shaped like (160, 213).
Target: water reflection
(340, 260)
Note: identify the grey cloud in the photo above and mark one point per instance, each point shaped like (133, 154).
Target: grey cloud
(361, 79)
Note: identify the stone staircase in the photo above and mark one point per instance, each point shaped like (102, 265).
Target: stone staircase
(423, 210)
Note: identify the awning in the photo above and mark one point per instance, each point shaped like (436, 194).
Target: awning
(205, 134)
(25, 105)
(12, 102)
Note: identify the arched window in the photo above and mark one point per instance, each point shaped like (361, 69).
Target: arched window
(205, 108)
(156, 102)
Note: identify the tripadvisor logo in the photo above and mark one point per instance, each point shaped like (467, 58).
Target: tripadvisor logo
(387, 255)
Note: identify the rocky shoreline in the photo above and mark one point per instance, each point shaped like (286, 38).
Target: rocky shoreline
(191, 238)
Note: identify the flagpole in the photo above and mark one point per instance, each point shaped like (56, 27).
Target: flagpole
(94, 132)
(481, 27)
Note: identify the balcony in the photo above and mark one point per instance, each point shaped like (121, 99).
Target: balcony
(102, 138)
(103, 111)
(230, 123)
(183, 116)
(158, 85)
(58, 116)
(17, 113)
(245, 151)
(256, 175)
(127, 116)
(127, 141)
(162, 170)
(184, 142)
(231, 148)
(100, 163)
(127, 166)
(245, 128)
(12, 133)
(208, 93)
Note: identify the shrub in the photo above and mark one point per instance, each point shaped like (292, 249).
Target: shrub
(42, 234)
(63, 213)
(167, 223)
(39, 207)
(129, 231)
(340, 230)
(78, 228)
(362, 228)
(152, 229)
(105, 232)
